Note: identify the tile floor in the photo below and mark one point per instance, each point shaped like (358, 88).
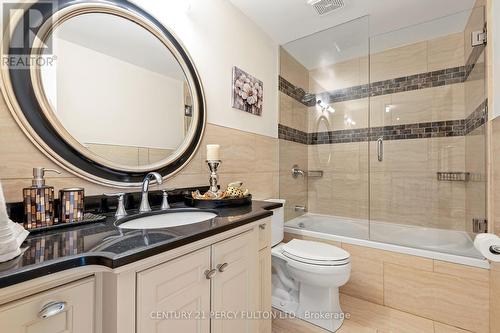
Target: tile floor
(367, 317)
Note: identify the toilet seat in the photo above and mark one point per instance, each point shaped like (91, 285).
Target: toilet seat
(315, 253)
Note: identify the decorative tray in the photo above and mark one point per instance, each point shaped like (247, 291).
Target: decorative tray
(218, 203)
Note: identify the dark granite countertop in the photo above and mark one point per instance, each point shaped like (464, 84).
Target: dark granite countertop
(105, 244)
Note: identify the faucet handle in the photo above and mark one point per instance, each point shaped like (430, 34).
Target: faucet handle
(164, 204)
(120, 210)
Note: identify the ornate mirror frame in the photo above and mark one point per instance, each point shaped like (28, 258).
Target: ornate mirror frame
(30, 108)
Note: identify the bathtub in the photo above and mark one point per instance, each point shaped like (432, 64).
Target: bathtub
(440, 244)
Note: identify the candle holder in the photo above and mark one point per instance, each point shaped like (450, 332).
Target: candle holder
(213, 165)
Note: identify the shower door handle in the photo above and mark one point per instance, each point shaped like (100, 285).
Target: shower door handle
(380, 149)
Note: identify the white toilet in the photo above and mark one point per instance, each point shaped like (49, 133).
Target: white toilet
(306, 277)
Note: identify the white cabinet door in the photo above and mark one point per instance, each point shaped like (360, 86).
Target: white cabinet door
(264, 302)
(235, 287)
(66, 309)
(175, 288)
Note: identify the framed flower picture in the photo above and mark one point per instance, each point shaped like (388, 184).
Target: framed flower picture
(248, 92)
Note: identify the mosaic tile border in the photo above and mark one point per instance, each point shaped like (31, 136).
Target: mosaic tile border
(392, 132)
(406, 83)
(292, 134)
(293, 91)
(431, 79)
(435, 129)
(477, 118)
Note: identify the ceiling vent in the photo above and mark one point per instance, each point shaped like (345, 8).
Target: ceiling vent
(324, 7)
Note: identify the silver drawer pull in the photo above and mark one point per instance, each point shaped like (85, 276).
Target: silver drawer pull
(51, 309)
(262, 226)
(209, 274)
(222, 267)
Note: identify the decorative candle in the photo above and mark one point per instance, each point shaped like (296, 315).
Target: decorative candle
(213, 152)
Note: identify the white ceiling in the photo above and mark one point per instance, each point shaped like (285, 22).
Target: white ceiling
(287, 20)
(389, 23)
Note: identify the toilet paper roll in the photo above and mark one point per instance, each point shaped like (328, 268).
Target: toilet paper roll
(483, 242)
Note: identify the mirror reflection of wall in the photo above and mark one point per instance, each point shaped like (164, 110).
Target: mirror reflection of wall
(124, 99)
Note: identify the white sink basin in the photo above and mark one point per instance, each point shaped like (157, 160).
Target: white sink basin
(167, 220)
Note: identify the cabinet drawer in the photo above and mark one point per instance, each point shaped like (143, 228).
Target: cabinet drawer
(72, 311)
(264, 233)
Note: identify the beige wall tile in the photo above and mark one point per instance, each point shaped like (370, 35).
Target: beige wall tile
(420, 155)
(299, 116)
(348, 115)
(443, 328)
(18, 154)
(125, 155)
(475, 164)
(293, 71)
(339, 194)
(446, 52)
(156, 155)
(475, 22)
(258, 183)
(378, 114)
(366, 280)
(418, 106)
(455, 301)
(462, 271)
(448, 102)
(397, 62)
(474, 87)
(405, 260)
(285, 109)
(340, 158)
(293, 190)
(495, 298)
(417, 199)
(250, 157)
(343, 189)
(293, 113)
(411, 107)
(289, 237)
(404, 187)
(266, 154)
(318, 120)
(340, 75)
(495, 171)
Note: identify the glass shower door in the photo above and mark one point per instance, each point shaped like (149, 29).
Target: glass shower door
(427, 144)
(324, 106)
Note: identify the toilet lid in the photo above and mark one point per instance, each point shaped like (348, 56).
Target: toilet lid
(315, 252)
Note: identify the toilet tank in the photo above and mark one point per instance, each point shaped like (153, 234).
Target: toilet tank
(277, 222)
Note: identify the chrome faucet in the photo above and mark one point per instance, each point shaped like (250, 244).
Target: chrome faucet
(145, 190)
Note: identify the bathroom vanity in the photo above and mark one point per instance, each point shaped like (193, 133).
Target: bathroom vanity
(135, 108)
(212, 276)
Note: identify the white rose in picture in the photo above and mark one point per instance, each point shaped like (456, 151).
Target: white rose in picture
(248, 92)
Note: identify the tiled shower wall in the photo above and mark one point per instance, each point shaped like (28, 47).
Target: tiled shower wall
(292, 114)
(431, 92)
(475, 142)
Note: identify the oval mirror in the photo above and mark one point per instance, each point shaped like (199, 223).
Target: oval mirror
(120, 95)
